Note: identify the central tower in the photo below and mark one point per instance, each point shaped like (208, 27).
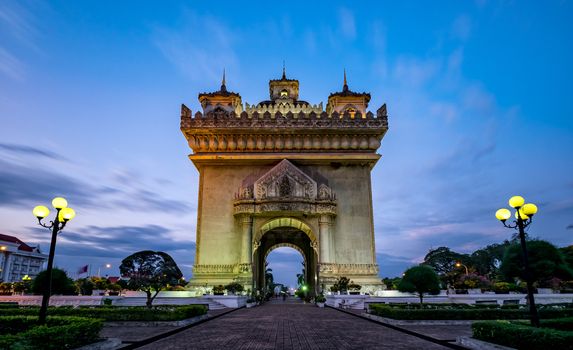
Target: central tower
(284, 172)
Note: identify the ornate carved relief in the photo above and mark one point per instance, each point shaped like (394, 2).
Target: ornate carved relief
(285, 180)
(285, 188)
(230, 268)
(349, 269)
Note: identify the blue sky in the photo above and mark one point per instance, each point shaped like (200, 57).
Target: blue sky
(478, 93)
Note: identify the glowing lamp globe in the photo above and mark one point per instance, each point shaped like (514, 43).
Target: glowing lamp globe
(59, 202)
(523, 216)
(516, 201)
(41, 211)
(66, 214)
(529, 209)
(503, 214)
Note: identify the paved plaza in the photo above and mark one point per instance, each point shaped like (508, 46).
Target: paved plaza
(290, 325)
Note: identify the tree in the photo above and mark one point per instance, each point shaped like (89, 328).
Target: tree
(85, 286)
(420, 279)
(486, 261)
(443, 260)
(341, 285)
(61, 283)
(150, 272)
(545, 261)
(391, 283)
(567, 253)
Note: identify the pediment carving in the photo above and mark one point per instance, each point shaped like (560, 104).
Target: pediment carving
(285, 181)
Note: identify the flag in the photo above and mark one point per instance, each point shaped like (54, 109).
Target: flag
(83, 269)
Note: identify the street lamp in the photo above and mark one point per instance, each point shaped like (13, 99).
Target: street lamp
(63, 215)
(459, 264)
(107, 266)
(523, 215)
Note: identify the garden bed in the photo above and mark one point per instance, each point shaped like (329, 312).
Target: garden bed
(473, 312)
(519, 335)
(23, 332)
(109, 313)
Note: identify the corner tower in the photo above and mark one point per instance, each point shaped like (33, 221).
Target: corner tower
(285, 173)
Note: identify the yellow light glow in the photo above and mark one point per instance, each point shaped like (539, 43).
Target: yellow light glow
(523, 216)
(503, 214)
(3, 247)
(516, 201)
(458, 264)
(66, 214)
(59, 202)
(41, 211)
(529, 209)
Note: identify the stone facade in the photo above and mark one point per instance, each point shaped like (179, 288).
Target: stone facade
(293, 175)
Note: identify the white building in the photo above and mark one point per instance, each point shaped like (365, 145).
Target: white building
(17, 259)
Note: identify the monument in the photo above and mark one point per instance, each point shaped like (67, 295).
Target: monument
(284, 173)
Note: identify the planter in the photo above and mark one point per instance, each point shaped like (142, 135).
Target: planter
(320, 304)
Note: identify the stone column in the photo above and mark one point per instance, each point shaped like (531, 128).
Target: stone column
(324, 223)
(247, 232)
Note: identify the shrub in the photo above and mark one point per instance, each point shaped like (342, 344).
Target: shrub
(474, 313)
(58, 333)
(472, 281)
(521, 336)
(218, 290)
(320, 298)
(135, 313)
(61, 283)
(234, 287)
(504, 287)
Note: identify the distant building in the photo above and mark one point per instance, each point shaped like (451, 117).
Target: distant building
(17, 259)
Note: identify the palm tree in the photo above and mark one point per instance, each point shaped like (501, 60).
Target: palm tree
(300, 276)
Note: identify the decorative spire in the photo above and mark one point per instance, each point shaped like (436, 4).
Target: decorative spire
(345, 86)
(223, 83)
(284, 70)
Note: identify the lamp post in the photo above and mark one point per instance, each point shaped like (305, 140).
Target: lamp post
(459, 264)
(523, 215)
(63, 215)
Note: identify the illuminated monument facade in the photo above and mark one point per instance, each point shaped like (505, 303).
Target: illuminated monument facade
(284, 173)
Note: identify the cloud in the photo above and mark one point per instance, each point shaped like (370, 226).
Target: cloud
(24, 185)
(569, 227)
(413, 71)
(188, 50)
(347, 23)
(21, 186)
(28, 150)
(462, 27)
(11, 66)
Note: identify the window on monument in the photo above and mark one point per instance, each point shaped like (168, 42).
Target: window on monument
(284, 266)
(284, 94)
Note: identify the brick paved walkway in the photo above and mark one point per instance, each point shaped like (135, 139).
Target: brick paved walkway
(280, 325)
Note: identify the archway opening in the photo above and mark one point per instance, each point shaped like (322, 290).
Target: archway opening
(292, 239)
(285, 269)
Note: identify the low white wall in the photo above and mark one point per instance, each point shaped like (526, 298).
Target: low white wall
(231, 301)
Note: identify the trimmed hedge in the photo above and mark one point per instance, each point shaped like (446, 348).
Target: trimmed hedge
(135, 313)
(521, 336)
(22, 332)
(562, 324)
(464, 313)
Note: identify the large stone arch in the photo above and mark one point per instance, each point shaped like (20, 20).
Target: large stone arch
(285, 222)
(290, 232)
